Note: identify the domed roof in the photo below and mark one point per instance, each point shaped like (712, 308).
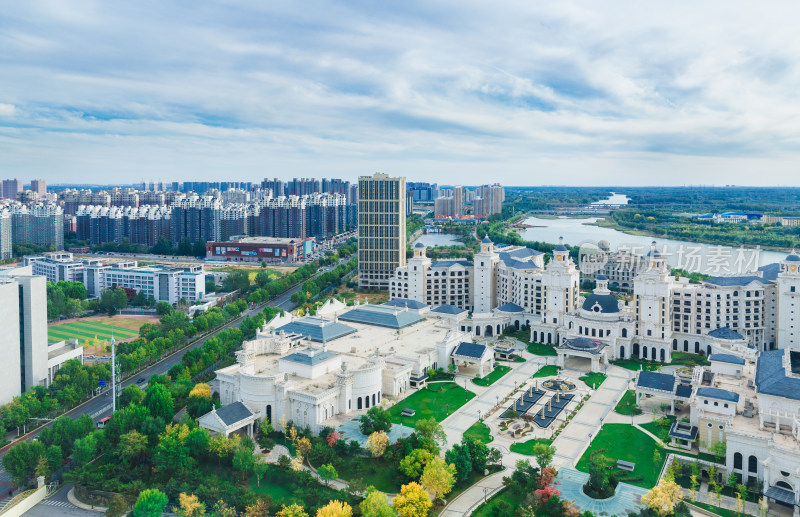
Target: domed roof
(584, 344)
(793, 258)
(486, 240)
(605, 303)
(601, 276)
(419, 245)
(604, 245)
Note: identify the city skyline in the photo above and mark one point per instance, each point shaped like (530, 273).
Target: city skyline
(564, 94)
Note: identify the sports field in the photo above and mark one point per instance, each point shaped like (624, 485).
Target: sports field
(85, 332)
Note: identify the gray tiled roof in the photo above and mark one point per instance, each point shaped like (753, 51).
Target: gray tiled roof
(381, 316)
(733, 281)
(726, 358)
(451, 263)
(771, 378)
(725, 333)
(308, 359)
(469, 350)
(317, 329)
(448, 309)
(510, 307)
(607, 302)
(770, 272)
(656, 381)
(683, 391)
(717, 393)
(404, 302)
(233, 413)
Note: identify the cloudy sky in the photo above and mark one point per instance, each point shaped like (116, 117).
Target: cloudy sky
(525, 93)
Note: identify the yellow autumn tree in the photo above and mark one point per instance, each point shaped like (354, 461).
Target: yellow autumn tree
(377, 443)
(335, 509)
(438, 478)
(412, 501)
(293, 510)
(663, 497)
(190, 506)
(201, 389)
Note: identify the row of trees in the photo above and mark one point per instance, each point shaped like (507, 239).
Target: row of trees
(328, 280)
(66, 299)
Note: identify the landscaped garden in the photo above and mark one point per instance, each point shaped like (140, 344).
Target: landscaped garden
(479, 431)
(660, 427)
(438, 400)
(526, 448)
(546, 371)
(691, 360)
(627, 404)
(625, 442)
(493, 376)
(593, 379)
(637, 364)
(540, 349)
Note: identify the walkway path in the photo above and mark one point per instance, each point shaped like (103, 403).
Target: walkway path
(575, 438)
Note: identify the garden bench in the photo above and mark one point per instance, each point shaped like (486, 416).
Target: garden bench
(625, 465)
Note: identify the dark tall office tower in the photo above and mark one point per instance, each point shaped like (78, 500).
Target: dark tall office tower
(11, 188)
(381, 229)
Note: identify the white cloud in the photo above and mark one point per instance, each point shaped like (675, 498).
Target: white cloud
(454, 92)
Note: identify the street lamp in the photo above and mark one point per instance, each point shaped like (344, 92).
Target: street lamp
(497, 400)
(479, 415)
(485, 490)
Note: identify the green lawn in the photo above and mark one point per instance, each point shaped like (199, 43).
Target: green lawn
(479, 431)
(519, 335)
(503, 503)
(488, 380)
(547, 371)
(540, 349)
(527, 447)
(282, 494)
(375, 472)
(438, 401)
(625, 442)
(637, 364)
(627, 404)
(686, 359)
(593, 379)
(86, 331)
(716, 510)
(662, 431)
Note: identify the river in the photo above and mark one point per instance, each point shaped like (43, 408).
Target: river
(705, 258)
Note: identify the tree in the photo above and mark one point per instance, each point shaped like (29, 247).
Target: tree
(243, 461)
(158, 401)
(460, 457)
(333, 438)
(222, 509)
(376, 419)
(376, 504)
(327, 473)
(719, 449)
(150, 503)
(117, 506)
(164, 308)
(55, 457)
(238, 279)
(377, 443)
(190, 506)
(431, 434)
(544, 454)
(260, 470)
(258, 509)
(132, 446)
(412, 501)
(130, 395)
(413, 464)
(663, 497)
(43, 467)
(293, 510)
(438, 478)
(335, 509)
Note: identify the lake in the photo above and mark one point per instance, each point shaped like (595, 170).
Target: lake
(614, 200)
(438, 239)
(705, 258)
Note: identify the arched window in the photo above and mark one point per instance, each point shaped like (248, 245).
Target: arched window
(663, 356)
(622, 352)
(624, 332)
(737, 461)
(359, 403)
(366, 402)
(752, 464)
(697, 347)
(373, 399)
(674, 344)
(635, 352)
(644, 352)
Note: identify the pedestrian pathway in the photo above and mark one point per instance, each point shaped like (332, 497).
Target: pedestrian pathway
(575, 438)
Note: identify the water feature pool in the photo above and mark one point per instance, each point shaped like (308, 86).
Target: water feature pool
(626, 499)
(351, 430)
(438, 239)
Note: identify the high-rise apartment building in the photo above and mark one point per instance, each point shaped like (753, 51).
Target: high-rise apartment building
(489, 200)
(41, 224)
(39, 187)
(381, 229)
(11, 188)
(5, 234)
